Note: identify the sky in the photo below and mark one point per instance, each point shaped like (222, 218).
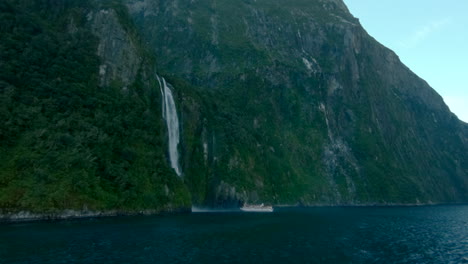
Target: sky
(429, 36)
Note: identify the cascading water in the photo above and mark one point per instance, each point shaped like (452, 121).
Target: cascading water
(162, 96)
(172, 122)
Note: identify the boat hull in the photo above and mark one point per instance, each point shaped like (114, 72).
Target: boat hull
(257, 209)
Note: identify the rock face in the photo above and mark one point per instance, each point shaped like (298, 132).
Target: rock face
(304, 105)
(119, 55)
(278, 102)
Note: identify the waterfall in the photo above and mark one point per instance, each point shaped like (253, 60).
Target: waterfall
(172, 123)
(162, 96)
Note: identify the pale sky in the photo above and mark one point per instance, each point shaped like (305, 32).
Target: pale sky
(429, 36)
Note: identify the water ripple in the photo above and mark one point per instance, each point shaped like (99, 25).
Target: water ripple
(317, 235)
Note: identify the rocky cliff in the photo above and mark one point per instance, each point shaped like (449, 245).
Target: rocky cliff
(282, 103)
(306, 106)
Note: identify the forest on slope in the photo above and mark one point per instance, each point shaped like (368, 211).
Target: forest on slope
(66, 142)
(279, 104)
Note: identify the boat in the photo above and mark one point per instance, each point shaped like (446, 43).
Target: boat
(261, 208)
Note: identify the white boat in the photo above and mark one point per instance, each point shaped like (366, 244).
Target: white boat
(261, 208)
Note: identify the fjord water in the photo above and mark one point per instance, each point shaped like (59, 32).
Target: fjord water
(436, 234)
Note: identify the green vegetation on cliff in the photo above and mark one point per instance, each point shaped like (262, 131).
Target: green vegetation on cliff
(277, 103)
(67, 143)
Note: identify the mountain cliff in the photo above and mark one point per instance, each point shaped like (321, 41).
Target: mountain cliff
(282, 103)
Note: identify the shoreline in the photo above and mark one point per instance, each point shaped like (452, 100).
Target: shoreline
(27, 216)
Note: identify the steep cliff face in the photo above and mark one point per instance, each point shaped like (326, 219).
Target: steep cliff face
(277, 103)
(300, 104)
(118, 53)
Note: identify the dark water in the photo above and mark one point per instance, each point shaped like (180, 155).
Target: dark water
(319, 235)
